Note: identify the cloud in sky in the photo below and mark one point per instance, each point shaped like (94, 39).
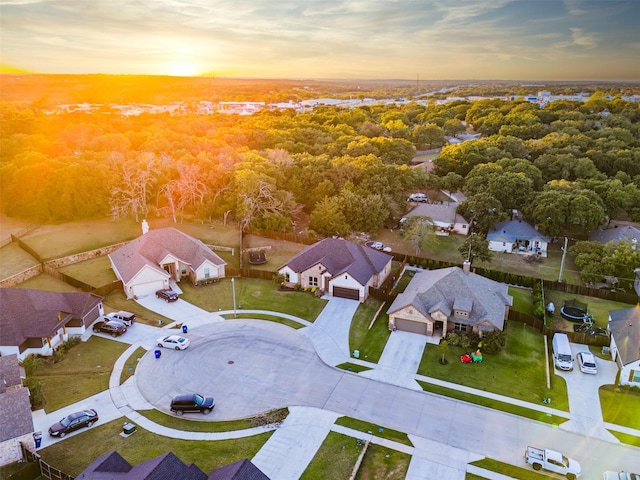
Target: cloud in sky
(432, 39)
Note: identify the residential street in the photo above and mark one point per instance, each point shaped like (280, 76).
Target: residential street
(251, 366)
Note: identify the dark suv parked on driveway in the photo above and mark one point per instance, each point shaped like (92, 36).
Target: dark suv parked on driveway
(112, 327)
(192, 402)
(167, 295)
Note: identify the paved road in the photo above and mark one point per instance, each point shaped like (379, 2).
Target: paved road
(275, 366)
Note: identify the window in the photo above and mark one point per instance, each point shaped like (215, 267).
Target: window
(206, 273)
(634, 376)
(459, 327)
(313, 281)
(287, 278)
(183, 269)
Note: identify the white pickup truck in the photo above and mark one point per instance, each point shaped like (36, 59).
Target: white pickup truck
(543, 458)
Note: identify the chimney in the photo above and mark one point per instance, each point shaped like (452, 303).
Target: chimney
(466, 267)
(145, 226)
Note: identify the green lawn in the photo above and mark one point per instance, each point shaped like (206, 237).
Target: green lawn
(48, 283)
(334, 459)
(597, 307)
(117, 300)
(518, 371)
(383, 463)
(377, 430)
(75, 454)
(181, 423)
(270, 318)
(620, 406)
(513, 471)
(253, 294)
(522, 300)
(131, 364)
(369, 342)
(83, 372)
(95, 272)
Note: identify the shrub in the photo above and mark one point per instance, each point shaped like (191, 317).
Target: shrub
(31, 363)
(35, 393)
(493, 342)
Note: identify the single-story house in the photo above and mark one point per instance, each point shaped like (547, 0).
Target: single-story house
(37, 321)
(624, 326)
(148, 263)
(616, 234)
(454, 299)
(443, 216)
(16, 421)
(114, 467)
(338, 267)
(517, 236)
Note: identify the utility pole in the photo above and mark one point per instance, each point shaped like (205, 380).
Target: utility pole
(564, 253)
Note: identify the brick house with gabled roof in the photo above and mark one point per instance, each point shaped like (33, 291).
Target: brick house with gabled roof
(151, 261)
(16, 422)
(338, 267)
(36, 321)
(624, 325)
(167, 466)
(436, 302)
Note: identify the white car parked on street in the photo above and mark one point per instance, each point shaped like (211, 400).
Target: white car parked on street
(175, 342)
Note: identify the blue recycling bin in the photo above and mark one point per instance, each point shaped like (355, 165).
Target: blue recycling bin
(184, 329)
(158, 353)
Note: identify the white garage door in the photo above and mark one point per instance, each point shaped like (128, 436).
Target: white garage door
(150, 288)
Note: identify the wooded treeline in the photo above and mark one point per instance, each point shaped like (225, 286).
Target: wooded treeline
(569, 165)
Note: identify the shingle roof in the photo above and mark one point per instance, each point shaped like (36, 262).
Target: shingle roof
(152, 247)
(339, 256)
(515, 230)
(438, 213)
(615, 235)
(28, 313)
(15, 414)
(448, 288)
(625, 330)
(166, 467)
(240, 470)
(10, 374)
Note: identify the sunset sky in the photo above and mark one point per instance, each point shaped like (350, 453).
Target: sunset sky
(426, 39)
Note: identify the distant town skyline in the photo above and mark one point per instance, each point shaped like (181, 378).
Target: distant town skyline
(373, 39)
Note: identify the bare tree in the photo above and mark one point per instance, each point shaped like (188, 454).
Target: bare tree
(186, 190)
(129, 194)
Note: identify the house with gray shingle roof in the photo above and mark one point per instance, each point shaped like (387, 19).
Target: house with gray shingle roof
(436, 302)
(113, 467)
(618, 233)
(148, 263)
(444, 217)
(16, 422)
(36, 321)
(338, 267)
(624, 326)
(517, 236)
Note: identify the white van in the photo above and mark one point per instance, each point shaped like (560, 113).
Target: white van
(562, 352)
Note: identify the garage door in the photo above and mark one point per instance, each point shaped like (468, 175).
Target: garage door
(142, 289)
(411, 326)
(342, 292)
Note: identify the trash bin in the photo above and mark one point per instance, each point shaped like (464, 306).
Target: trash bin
(37, 436)
(158, 353)
(356, 354)
(184, 329)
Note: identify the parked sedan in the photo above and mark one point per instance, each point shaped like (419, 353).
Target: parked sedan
(112, 327)
(72, 422)
(167, 295)
(173, 341)
(587, 363)
(192, 402)
(609, 475)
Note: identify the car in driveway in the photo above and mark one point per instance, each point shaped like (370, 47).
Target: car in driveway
(112, 327)
(72, 422)
(587, 363)
(609, 475)
(192, 402)
(175, 342)
(167, 295)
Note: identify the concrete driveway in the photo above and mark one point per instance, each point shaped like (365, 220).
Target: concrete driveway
(584, 399)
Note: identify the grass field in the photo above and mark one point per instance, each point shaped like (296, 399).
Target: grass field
(597, 307)
(369, 342)
(83, 372)
(518, 371)
(76, 453)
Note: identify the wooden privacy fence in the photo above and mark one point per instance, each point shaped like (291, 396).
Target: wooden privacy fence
(46, 470)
